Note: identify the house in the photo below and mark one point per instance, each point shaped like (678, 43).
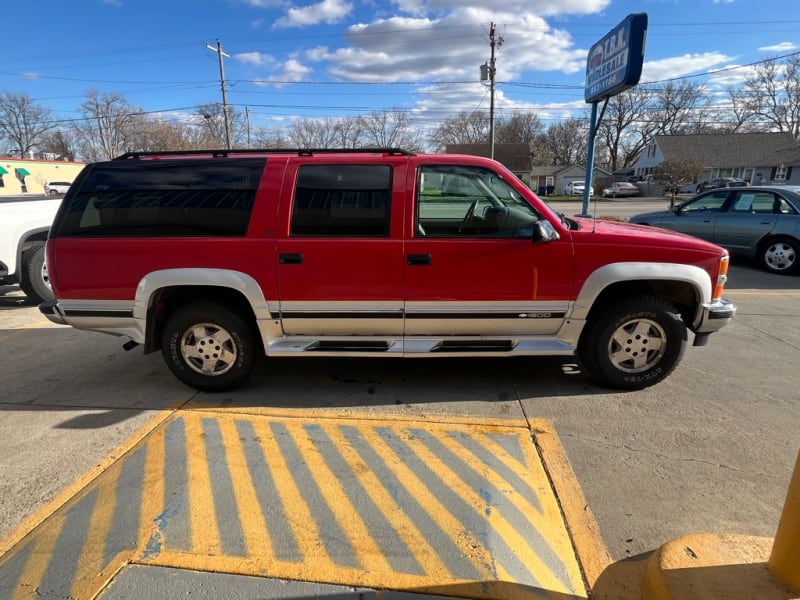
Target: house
(514, 157)
(552, 179)
(754, 157)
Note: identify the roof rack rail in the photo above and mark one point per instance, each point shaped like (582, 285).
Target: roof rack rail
(298, 151)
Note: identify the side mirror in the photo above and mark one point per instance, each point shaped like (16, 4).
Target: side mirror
(543, 231)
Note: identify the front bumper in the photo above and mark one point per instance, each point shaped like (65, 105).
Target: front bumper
(715, 315)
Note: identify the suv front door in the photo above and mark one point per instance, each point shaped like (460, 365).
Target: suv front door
(472, 268)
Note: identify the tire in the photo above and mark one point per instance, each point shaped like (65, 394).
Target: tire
(33, 275)
(634, 344)
(699, 189)
(209, 347)
(780, 255)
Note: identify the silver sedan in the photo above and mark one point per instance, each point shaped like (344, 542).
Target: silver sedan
(760, 222)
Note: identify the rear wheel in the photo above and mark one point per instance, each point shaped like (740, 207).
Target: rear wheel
(34, 279)
(633, 344)
(209, 347)
(780, 255)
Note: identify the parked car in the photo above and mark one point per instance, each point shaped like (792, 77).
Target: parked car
(576, 188)
(719, 182)
(57, 188)
(760, 222)
(213, 257)
(620, 188)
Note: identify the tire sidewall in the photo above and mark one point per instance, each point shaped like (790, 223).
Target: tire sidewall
(31, 280)
(242, 336)
(596, 356)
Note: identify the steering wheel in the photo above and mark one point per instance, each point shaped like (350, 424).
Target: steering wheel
(468, 216)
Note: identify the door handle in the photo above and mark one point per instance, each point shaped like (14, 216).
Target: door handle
(418, 259)
(291, 259)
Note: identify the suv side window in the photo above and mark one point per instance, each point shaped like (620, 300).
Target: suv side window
(166, 197)
(463, 201)
(342, 200)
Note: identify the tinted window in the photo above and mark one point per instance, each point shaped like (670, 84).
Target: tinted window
(342, 200)
(185, 197)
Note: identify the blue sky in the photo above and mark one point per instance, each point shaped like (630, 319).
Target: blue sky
(331, 58)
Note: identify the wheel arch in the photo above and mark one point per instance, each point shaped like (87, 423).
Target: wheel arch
(687, 287)
(160, 293)
(28, 240)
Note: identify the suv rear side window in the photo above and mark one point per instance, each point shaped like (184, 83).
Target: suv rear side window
(342, 200)
(185, 197)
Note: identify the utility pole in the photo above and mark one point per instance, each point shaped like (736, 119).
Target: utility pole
(247, 120)
(491, 71)
(222, 54)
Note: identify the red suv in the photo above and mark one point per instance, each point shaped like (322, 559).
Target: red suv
(215, 257)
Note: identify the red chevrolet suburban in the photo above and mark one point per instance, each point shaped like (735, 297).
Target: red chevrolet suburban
(213, 257)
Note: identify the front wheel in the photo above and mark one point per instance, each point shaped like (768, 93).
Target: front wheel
(634, 344)
(209, 347)
(780, 255)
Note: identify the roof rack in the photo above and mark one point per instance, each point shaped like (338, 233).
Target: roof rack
(298, 151)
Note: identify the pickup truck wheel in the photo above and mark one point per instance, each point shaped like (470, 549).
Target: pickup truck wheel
(780, 255)
(208, 347)
(634, 344)
(34, 280)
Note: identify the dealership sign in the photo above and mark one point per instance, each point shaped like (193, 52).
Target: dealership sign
(615, 62)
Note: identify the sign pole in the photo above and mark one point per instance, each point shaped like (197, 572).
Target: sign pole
(589, 162)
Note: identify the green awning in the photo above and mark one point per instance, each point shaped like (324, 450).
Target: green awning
(3, 171)
(23, 172)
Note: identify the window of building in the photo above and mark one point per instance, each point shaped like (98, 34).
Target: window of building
(342, 200)
(780, 173)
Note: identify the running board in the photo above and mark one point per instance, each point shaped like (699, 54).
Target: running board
(418, 346)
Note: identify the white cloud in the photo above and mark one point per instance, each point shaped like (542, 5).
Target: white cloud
(510, 7)
(678, 66)
(255, 59)
(782, 47)
(327, 11)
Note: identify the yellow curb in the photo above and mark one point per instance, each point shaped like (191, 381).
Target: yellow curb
(708, 566)
(593, 556)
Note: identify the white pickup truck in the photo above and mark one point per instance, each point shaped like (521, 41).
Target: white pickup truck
(23, 232)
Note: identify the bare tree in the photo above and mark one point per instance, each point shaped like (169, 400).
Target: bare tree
(23, 123)
(108, 128)
(519, 128)
(59, 142)
(213, 124)
(313, 133)
(772, 95)
(626, 127)
(463, 128)
(347, 132)
(390, 130)
(566, 142)
(679, 108)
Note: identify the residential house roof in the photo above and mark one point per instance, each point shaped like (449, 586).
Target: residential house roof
(731, 149)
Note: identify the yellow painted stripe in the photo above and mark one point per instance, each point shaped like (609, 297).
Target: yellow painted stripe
(90, 562)
(205, 538)
(254, 527)
(470, 548)
(498, 522)
(152, 491)
(548, 520)
(39, 559)
(369, 554)
(302, 524)
(416, 541)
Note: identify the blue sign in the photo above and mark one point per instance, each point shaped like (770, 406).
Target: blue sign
(615, 62)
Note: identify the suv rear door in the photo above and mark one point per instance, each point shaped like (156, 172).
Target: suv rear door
(340, 254)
